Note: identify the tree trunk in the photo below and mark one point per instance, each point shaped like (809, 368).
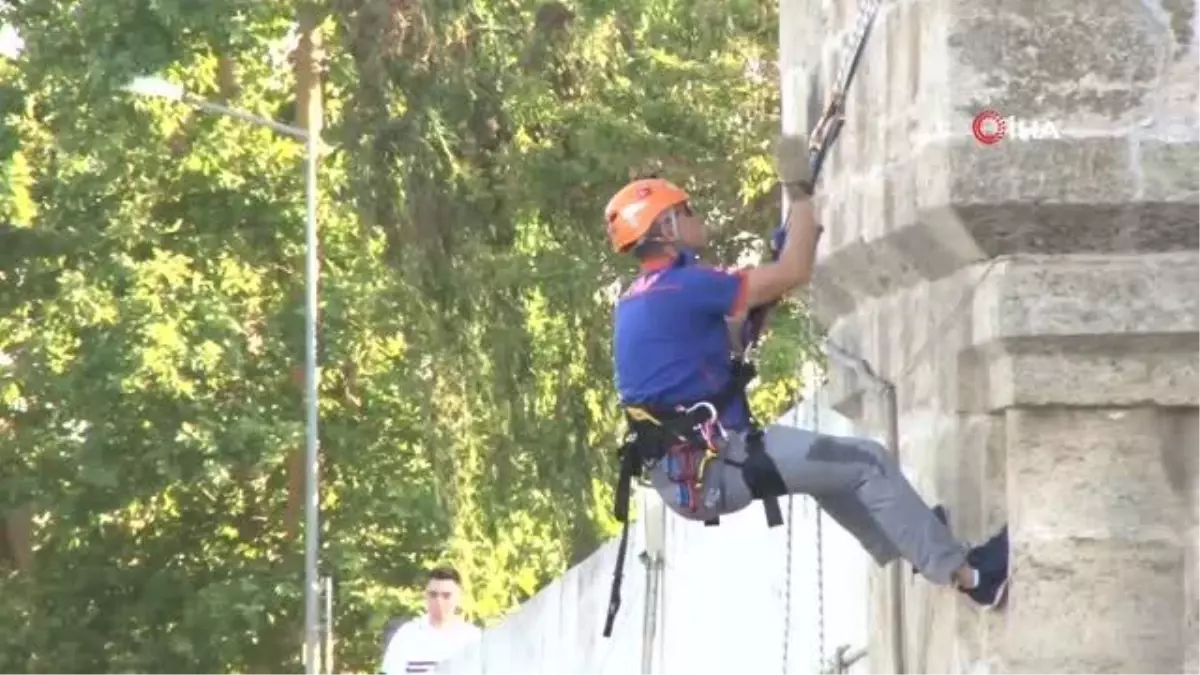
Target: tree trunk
(306, 63)
(18, 538)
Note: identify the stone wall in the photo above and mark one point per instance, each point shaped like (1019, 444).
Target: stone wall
(1035, 303)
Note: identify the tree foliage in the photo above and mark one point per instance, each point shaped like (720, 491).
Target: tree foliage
(151, 303)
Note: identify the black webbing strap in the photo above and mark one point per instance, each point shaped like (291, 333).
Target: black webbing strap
(647, 442)
(759, 470)
(762, 476)
(614, 594)
(630, 466)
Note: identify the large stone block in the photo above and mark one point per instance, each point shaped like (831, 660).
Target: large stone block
(1089, 62)
(1097, 523)
(909, 195)
(1089, 296)
(1092, 473)
(1087, 605)
(1034, 303)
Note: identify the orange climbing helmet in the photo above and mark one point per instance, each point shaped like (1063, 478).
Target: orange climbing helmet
(635, 207)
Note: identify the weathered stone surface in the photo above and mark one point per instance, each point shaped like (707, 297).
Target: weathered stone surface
(1101, 474)
(1094, 605)
(1035, 304)
(977, 203)
(1090, 60)
(1053, 373)
(1081, 330)
(910, 195)
(1090, 296)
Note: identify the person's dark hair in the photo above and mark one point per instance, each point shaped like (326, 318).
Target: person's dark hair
(446, 574)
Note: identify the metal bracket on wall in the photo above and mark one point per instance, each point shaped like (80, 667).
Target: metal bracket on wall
(888, 389)
(843, 659)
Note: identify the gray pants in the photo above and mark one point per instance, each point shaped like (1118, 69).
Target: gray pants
(854, 480)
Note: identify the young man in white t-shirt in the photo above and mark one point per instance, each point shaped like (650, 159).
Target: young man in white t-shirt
(419, 645)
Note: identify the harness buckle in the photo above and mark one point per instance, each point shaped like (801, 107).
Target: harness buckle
(703, 405)
(705, 430)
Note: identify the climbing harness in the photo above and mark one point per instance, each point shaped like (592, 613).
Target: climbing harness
(689, 437)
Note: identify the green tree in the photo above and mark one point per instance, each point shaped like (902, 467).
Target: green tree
(152, 294)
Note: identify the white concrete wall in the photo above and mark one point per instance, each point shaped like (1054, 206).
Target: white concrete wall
(723, 601)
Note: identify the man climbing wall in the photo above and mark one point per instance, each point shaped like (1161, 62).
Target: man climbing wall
(691, 428)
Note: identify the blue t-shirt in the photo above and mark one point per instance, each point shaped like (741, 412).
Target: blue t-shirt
(670, 340)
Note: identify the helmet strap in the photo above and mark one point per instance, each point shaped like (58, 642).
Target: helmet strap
(670, 228)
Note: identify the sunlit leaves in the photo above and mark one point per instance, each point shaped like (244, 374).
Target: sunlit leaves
(153, 299)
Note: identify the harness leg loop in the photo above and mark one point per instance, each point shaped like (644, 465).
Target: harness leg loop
(763, 477)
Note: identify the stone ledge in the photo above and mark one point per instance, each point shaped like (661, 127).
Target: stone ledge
(956, 203)
(1093, 474)
(1127, 371)
(1037, 330)
(1072, 296)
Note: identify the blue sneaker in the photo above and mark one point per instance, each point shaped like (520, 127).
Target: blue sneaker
(990, 560)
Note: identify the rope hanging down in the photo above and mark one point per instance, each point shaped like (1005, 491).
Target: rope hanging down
(797, 401)
(787, 584)
(825, 133)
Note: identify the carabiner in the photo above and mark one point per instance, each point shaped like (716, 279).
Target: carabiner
(712, 410)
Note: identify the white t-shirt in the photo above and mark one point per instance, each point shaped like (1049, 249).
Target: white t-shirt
(418, 647)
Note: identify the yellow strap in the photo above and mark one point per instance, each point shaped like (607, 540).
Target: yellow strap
(710, 454)
(640, 415)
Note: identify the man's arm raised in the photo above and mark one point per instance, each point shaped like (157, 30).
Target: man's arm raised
(793, 268)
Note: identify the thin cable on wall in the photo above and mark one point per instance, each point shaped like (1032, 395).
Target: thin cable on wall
(797, 401)
(816, 427)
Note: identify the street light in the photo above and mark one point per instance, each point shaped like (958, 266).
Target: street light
(157, 87)
(160, 88)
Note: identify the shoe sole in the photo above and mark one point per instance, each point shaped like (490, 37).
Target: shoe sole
(1001, 595)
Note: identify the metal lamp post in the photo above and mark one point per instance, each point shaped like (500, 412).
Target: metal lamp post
(160, 88)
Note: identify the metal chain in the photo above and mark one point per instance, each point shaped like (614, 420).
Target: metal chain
(816, 427)
(820, 590)
(791, 512)
(787, 611)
